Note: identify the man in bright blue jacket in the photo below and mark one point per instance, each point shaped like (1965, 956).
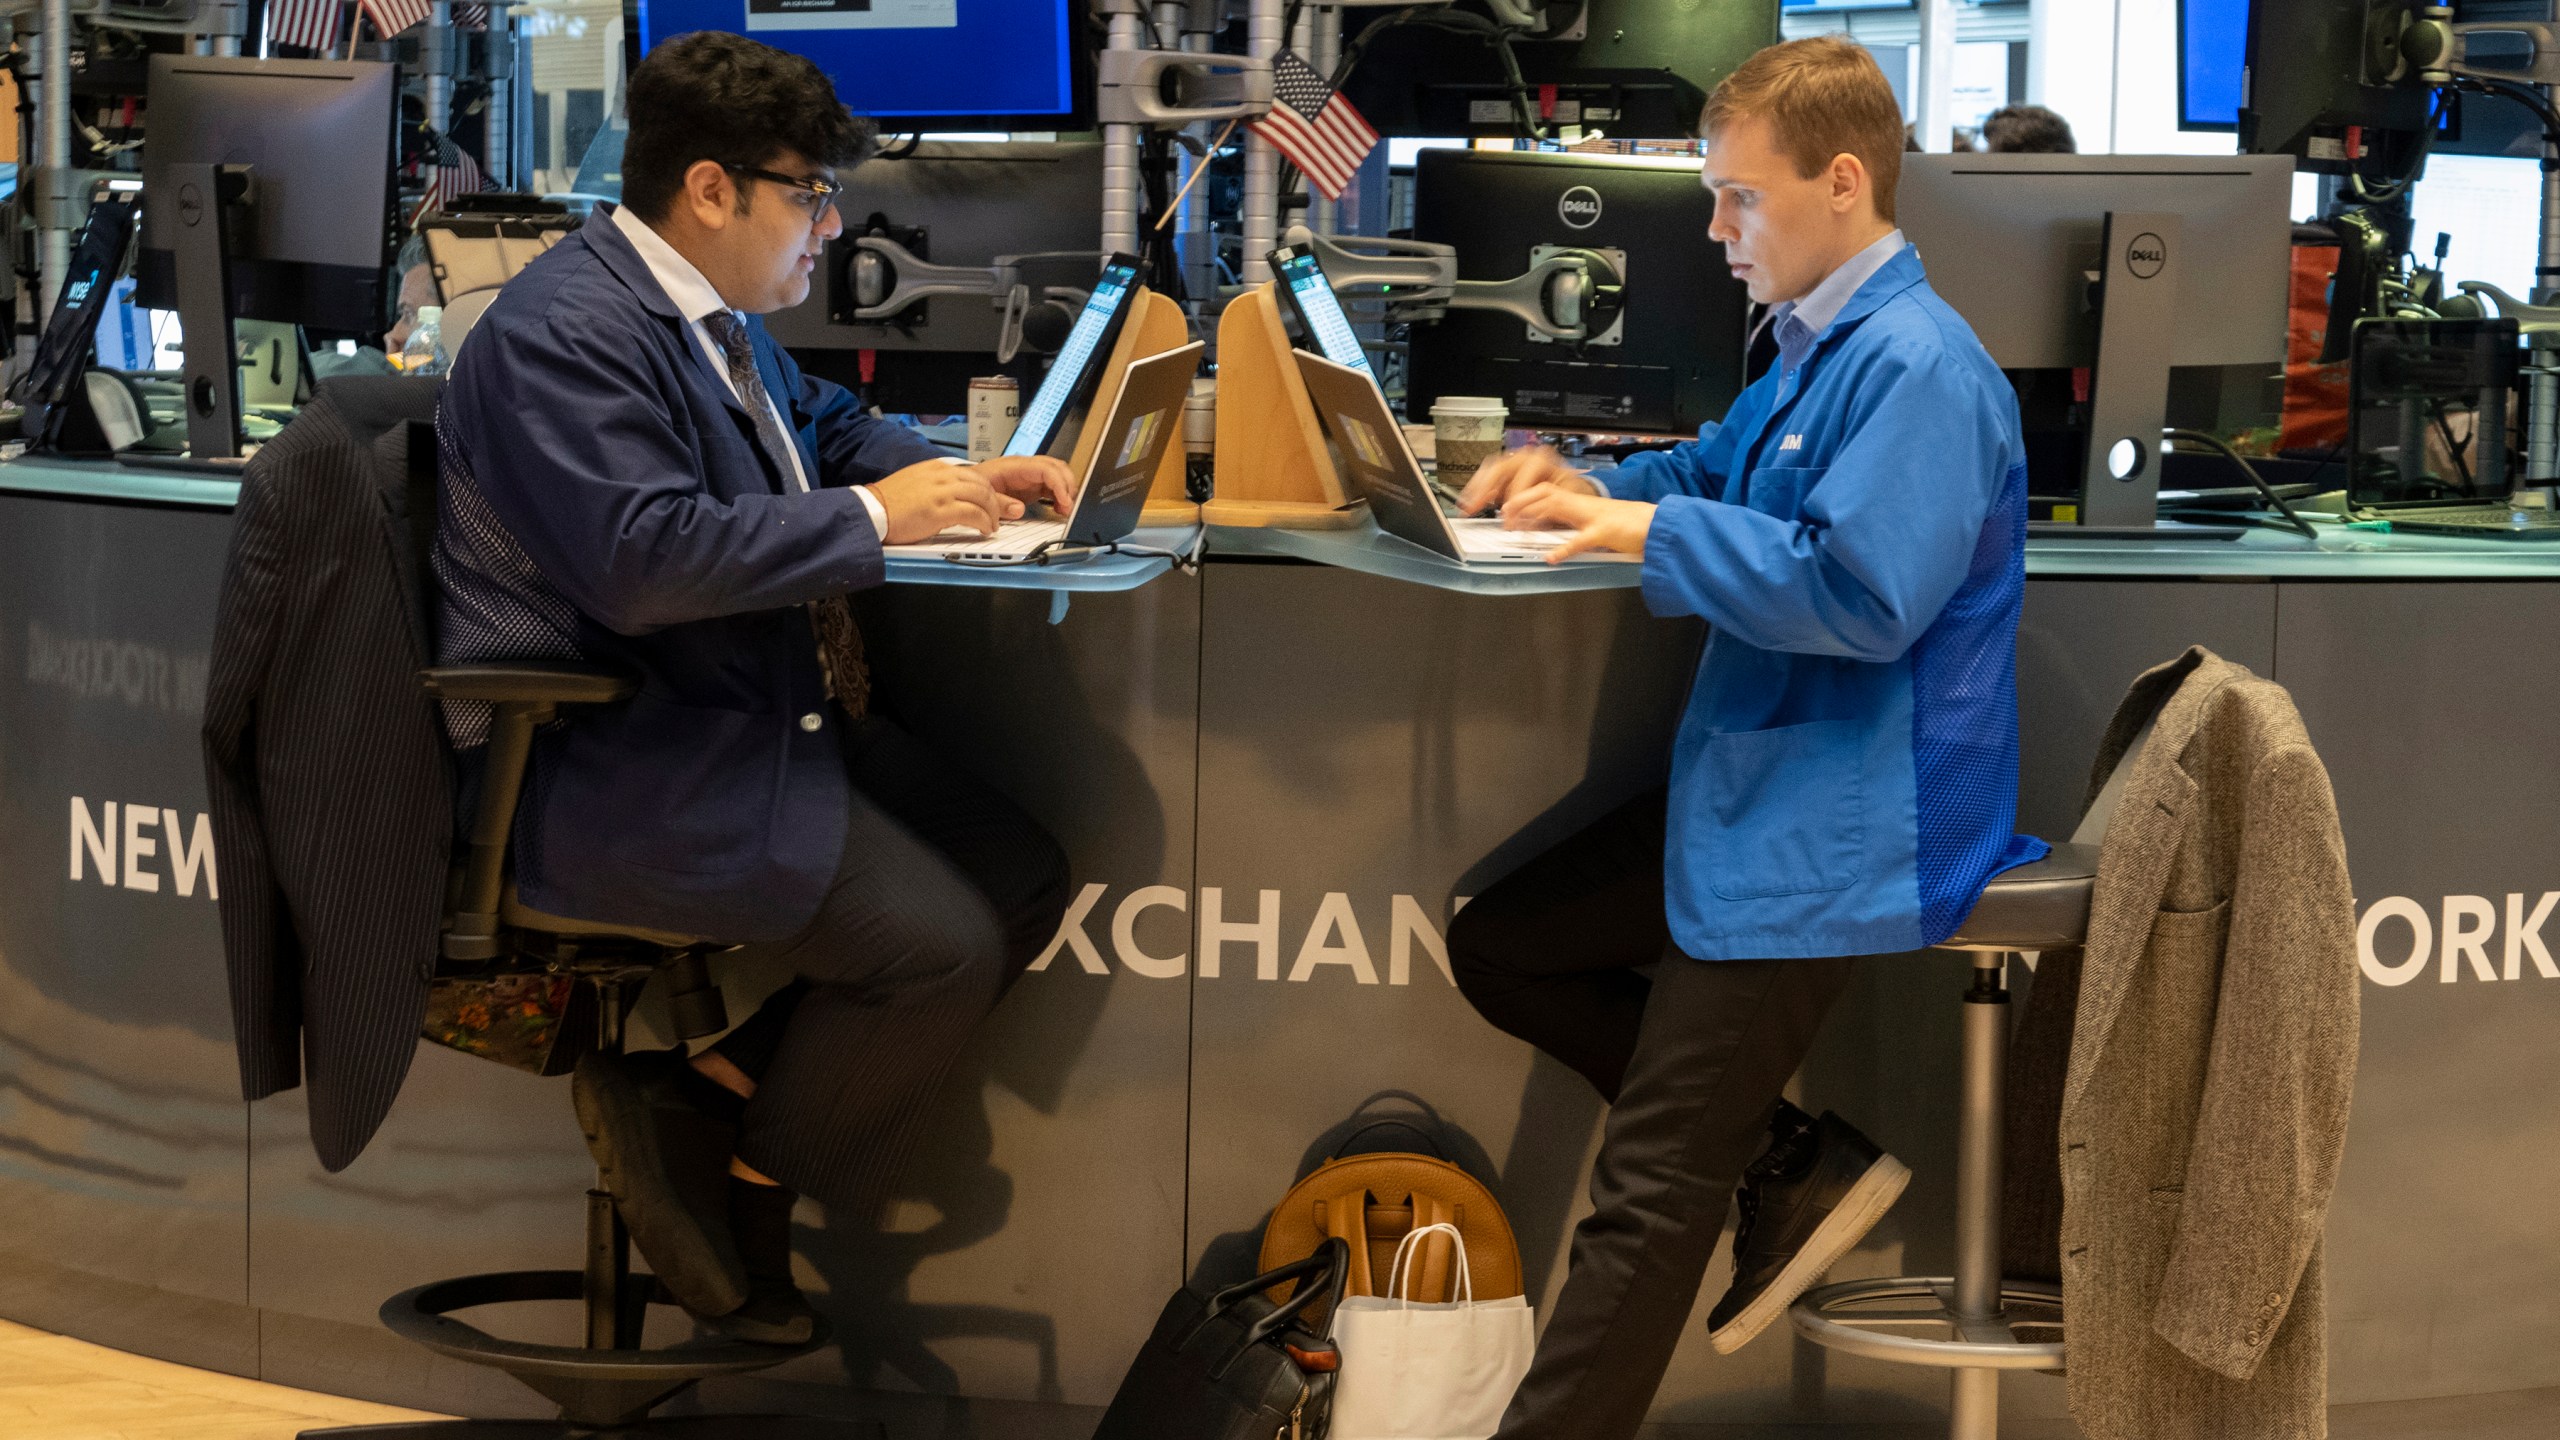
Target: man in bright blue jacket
(1843, 783)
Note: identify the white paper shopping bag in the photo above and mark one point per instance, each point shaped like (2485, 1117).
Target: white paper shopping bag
(1423, 1371)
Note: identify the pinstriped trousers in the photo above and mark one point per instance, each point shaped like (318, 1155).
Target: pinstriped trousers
(945, 893)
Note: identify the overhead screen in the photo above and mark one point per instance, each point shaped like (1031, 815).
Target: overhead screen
(2213, 41)
(997, 64)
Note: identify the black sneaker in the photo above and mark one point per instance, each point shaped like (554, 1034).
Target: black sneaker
(1808, 1200)
(662, 1139)
(776, 1313)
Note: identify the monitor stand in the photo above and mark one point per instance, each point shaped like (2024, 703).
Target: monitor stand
(208, 198)
(2137, 303)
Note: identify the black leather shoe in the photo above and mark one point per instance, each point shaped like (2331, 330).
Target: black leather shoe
(663, 1147)
(1808, 1200)
(776, 1313)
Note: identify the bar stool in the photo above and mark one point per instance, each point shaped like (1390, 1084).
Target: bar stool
(1973, 1322)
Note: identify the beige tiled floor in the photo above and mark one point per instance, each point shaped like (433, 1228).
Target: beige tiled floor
(53, 1387)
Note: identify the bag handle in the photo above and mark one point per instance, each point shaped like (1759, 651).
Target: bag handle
(1321, 1276)
(1464, 1290)
(1342, 1147)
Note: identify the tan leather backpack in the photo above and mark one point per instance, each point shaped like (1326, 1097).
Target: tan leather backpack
(1372, 1201)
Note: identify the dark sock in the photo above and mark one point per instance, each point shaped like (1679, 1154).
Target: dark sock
(761, 1217)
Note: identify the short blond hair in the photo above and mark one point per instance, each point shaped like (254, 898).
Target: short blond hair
(1823, 97)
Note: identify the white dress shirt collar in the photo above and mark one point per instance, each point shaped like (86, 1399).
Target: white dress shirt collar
(692, 294)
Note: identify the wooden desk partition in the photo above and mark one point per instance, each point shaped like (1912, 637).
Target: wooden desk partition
(1155, 325)
(1273, 468)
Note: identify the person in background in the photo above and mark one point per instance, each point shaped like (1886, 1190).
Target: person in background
(2027, 130)
(1843, 783)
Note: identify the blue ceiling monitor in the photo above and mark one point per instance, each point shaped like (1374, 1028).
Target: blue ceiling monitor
(2213, 45)
(916, 64)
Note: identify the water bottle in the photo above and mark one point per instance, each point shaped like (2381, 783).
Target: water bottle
(424, 354)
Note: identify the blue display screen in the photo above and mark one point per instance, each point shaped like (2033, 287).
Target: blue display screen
(1845, 4)
(2213, 45)
(1321, 309)
(1066, 375)
(907, 59)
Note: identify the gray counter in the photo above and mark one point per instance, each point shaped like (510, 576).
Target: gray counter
(1338, 756)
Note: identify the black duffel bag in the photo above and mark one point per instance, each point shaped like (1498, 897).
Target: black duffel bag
(1234, 1366)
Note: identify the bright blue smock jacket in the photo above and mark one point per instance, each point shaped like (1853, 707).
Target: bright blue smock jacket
(1846, 775)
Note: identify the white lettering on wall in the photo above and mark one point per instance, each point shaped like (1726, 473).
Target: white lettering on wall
(99, 838)
(2454, 938)
(1334, 939)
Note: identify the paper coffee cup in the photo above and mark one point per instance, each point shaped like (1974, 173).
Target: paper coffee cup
(995, 407)
(1466, 431)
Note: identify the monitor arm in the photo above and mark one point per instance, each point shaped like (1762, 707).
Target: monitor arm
(1559, 296)
(888, 277)
(2434, 48)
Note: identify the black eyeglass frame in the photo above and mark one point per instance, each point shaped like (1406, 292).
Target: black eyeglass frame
(823, 189)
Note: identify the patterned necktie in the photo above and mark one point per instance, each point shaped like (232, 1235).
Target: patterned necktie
(839, 643)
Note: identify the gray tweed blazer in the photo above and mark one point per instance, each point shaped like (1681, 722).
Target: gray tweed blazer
(2182, 1085)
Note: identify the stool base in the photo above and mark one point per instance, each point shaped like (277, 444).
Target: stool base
(1912, 1320)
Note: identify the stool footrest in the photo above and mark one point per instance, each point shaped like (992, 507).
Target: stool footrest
(1863, 1317)
(595, 1388)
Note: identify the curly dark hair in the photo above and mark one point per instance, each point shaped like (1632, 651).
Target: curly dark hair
(724, 98)
(2027, 130)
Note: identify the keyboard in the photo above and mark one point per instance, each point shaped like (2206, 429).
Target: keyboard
(1485, 539)
(2488, 522)
(1013, 538)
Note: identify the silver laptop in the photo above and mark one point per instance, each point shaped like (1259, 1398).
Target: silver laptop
(1113, 492)
(1372, 449)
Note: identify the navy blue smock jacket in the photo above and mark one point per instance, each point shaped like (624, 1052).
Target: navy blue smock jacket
(604, 498)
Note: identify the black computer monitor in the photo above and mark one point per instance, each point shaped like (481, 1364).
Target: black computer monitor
(269, 182)
(2310, 89)
(1637, 69)
(988, 65)
(315, 241)
(1674, 359)
(1070, 383)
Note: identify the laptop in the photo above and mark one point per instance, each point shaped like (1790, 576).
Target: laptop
(1113, 490)
(1373, 451)
(2409, 379)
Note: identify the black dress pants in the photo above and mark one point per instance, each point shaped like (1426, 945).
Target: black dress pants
(945, 893)
(1691, 1061)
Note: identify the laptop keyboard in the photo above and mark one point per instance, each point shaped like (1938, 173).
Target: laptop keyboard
(1012, 538)
(2494, 520)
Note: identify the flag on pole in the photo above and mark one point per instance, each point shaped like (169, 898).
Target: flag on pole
(1314, 126)
(390, 17)
(311, 24)
(470, 17)
(452, 173)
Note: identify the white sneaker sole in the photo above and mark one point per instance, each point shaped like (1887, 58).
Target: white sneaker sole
(1837, 1235)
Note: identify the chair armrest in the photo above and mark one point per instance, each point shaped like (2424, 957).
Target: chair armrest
(527, 681)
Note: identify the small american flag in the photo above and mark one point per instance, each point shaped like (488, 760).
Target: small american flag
(311, 24)
(390, 17)
(453, 173)
(470, 17)
(1314, 127)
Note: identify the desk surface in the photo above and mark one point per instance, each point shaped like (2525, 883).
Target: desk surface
(199, 489)
(2262, 554)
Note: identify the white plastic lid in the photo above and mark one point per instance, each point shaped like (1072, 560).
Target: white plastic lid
(1467, 405)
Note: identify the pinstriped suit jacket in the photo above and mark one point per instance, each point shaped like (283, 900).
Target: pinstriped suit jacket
(332, 797)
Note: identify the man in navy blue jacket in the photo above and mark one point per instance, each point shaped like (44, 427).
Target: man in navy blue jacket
(635, 474)
(1845, 779)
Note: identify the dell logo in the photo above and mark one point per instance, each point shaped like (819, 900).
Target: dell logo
(2146, 256)
(1579, 207)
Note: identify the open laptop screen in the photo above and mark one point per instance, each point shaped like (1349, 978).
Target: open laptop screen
(2415, 385)
(1319, 310)
(1071, 379)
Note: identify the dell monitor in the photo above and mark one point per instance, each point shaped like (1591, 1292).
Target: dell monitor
(918, 64)
(267, 195)
(2012, 241)
(1673, 359)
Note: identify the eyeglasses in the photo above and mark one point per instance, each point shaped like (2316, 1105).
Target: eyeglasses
(811, 194)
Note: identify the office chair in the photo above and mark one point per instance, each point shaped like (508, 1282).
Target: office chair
(610, 1383)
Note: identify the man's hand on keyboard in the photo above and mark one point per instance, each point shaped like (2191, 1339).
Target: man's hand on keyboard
(924, 500)
(1504, 477)
(1597, 524)
(1031, 477)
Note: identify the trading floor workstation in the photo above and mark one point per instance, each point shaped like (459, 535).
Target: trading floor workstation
(1228, 327)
